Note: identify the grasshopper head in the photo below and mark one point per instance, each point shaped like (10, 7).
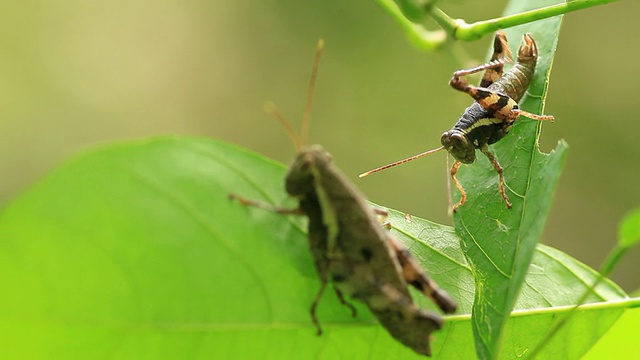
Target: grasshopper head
(302, 173)
(459, 146)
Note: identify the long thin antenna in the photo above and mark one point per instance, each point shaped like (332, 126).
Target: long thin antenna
(304, 133)
(401, 161)
(271, 108)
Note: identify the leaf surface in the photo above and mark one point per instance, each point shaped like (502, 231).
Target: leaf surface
(499, 243)
(134, 251)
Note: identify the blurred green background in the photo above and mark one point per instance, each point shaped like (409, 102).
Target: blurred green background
(75, 74)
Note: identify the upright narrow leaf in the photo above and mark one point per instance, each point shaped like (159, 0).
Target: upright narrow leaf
(499, 242)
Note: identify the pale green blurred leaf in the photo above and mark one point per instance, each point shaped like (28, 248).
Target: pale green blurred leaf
(622, 341)
(629, 232)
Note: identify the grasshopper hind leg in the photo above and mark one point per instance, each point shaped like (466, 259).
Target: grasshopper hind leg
(487, 98)
(493, 69)
(500, 51)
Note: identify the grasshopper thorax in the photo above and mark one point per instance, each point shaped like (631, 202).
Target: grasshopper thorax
(459, 146)
(301, 175)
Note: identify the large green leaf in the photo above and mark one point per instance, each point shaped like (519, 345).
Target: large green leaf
(135, 251)
(616, 343)
(621, 342)
(554, 282)
(499, 242)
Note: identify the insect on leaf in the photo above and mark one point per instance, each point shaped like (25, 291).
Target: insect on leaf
(499, 242)
(553, 284)
(134, 251)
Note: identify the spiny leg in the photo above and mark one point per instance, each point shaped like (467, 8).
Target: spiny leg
(498, 104)
(520, 112)
(264, 206)
(344, 302)
(463, 194)
(490, 100)
(496, 165)
(501, 55)
(490, 65)
(500, 51)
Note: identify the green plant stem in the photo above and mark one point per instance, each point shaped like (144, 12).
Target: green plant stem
(464, 31)
(614, 257)
(424, 38)
(448, 23)
(411, 15)
(628, 236)
(609, 263)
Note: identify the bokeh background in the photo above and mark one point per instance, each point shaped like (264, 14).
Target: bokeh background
(75, 74)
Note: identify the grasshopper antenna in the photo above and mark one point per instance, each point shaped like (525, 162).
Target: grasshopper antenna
(271, 108)
(401, 161)
(304, 133)
(299, 140)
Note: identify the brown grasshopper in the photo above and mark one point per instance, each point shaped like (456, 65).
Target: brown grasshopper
(351, 248)
(493, 112)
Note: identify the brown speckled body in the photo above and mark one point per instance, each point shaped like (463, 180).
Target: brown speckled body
(360, 257)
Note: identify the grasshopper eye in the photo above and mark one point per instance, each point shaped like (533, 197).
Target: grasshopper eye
(459, 146)
(307, 161)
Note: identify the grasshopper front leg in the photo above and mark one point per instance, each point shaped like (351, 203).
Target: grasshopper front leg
(500, 171)
(264, 206)
(463, 194)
